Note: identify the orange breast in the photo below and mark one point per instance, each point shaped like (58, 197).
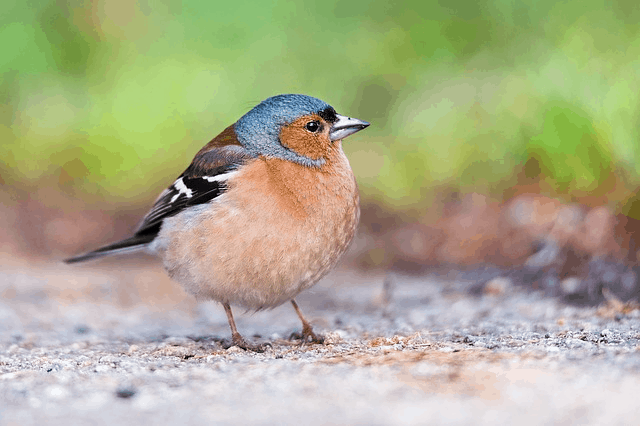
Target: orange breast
(278, 229)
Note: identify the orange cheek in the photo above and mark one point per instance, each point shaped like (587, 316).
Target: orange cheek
(296, 138)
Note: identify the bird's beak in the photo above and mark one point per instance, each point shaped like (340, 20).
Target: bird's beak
(346, 126)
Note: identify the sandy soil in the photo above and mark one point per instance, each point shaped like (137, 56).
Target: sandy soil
(117, 342)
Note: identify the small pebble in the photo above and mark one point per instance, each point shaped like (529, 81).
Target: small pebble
(570, 285)
(82, 329)
(497, 286)
(235, 350)
(125, 393)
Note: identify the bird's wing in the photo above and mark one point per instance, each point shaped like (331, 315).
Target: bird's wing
(204, 180)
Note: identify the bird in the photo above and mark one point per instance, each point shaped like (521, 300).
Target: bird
(263, 212)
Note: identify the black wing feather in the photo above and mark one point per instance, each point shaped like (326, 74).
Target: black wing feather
(192, 187)
(172, 200)
(197, 185)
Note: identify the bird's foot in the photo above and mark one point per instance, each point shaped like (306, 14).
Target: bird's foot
(308, 336)
(238, 340)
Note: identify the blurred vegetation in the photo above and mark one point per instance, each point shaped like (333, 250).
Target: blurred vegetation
(109, 99)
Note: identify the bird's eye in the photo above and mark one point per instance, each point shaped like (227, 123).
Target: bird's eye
(312, 126)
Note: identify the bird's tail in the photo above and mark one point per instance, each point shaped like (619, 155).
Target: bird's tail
(134, 243)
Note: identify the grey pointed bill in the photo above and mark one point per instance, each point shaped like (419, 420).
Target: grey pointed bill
(346, 126)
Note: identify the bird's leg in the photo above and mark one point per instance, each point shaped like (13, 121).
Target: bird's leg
(307, 331)
(236, 338)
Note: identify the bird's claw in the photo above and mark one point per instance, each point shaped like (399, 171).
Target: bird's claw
(238, 340)
(307, 336)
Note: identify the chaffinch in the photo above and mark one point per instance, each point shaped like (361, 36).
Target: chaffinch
(264, 211)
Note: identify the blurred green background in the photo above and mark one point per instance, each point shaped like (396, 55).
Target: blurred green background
(108, 100)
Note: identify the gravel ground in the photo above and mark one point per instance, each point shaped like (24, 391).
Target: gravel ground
(118, 343)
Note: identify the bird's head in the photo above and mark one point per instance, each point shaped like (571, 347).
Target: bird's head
(295, 128)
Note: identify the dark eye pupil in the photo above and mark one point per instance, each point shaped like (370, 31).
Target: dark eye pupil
(312, 126)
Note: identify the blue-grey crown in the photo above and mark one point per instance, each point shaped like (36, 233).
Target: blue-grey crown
(259, 129)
